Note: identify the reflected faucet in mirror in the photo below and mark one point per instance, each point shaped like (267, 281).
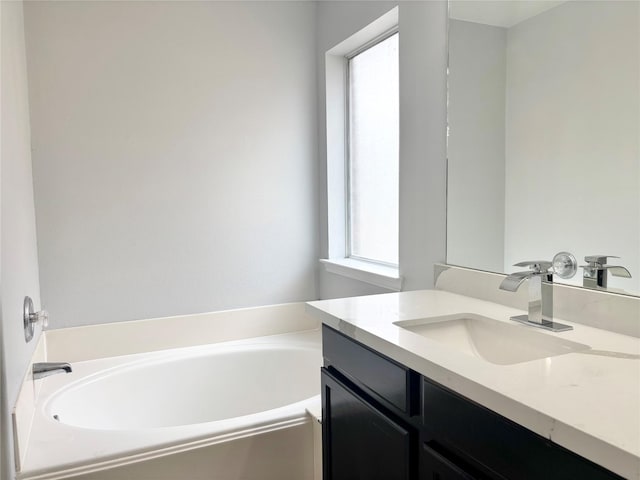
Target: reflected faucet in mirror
(595, 273)
(540, 308)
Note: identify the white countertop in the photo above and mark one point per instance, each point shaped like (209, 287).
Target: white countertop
(587, 402)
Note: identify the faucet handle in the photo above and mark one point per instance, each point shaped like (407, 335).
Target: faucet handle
(565, 265)
(596, 260)
(30, 317)
(40, 316)
(538, 266)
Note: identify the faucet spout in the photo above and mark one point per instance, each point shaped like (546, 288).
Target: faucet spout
(44, 369)
(513, 281)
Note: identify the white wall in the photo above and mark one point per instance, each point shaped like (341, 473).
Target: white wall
(573, 184)
(18, 257)
(423, 39)
(174, 156)
(476, 153)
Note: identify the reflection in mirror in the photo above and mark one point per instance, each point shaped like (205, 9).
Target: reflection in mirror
(544, 144)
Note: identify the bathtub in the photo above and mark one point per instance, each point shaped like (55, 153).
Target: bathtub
(118, 411)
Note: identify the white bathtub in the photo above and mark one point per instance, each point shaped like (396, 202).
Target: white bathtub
(114, 411)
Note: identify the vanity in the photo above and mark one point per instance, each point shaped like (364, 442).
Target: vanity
(436, 385)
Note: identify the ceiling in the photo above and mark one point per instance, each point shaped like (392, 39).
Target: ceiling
(499, 13)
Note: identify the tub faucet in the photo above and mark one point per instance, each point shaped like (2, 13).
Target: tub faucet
(540, 295)
(44, 369)
(595, 273)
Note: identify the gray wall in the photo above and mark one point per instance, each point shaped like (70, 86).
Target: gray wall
(423, 39)
(18, 256)
(475, 197)
(174, 156)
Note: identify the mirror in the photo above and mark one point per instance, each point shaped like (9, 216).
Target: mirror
(544, 135)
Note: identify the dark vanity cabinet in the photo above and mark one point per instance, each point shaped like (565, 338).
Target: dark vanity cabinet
(384, 421)
(364, 399)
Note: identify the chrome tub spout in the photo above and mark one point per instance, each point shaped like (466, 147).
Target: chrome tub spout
(44, 369)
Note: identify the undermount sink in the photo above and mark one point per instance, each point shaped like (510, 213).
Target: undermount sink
(491, 340)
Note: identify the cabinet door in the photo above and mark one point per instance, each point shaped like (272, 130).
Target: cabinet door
(359, 441)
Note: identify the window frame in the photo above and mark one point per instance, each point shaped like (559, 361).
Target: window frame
(336, 261)
(347, 144)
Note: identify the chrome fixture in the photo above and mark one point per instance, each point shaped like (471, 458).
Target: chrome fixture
(540, 295)
(44, 369)
(595, 273)
(565, 265)
(31, 317)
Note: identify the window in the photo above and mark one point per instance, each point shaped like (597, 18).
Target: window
(362, 127)
(373, 151)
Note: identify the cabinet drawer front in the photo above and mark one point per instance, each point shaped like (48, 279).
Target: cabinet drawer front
(498, 443)
(433, 465)
(379, 375)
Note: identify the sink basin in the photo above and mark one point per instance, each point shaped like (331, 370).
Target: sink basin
(496, 342)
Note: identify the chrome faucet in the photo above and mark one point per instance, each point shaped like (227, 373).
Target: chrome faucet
(44, 369)
(595, 273)
(540, 295)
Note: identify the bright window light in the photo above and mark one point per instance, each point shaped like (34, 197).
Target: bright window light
(373, 152)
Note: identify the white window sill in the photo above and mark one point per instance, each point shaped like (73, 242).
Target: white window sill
(372, 273)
